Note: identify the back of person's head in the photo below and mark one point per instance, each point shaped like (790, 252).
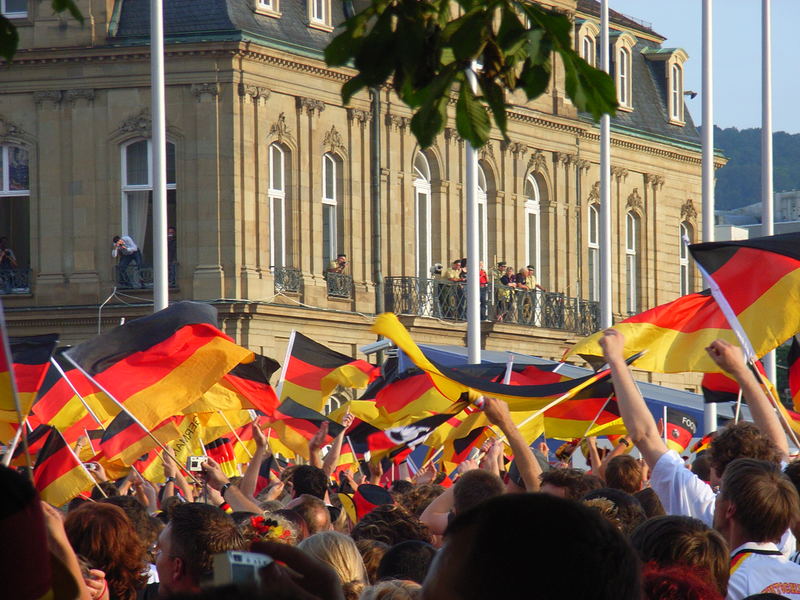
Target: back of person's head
(103, 535)
(676, 582)
(390, 524)
(569, 483)
(372, 552)
(313, 511)
(701, 466)
(297, 520)
(341, 553)
(138, 516)
(394, 589)
(766, 501)
(407, 560)
(493, 551)
(199, 531)
(400, 487)
(473, 487)
(650, 502)
(741, 440)
(679, 540)
(309, 480)
(624, 473)
(109, 490)
(419, 497)
(619, 508)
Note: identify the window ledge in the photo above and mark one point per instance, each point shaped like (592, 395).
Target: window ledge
(321, 26)
(625, 108)
(677, 122)
(268, 12)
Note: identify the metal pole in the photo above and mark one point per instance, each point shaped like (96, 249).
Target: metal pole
(159, 144)
(376, 200)
(767, 216)
(605, 185)
(473, 260)
(710, 409)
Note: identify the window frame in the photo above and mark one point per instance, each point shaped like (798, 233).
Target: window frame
(589, 49)
(532, 207)
(632, 236)
(684, 230)
(330, 165)
(622, 55)
(13, 15)
(125, 187)
(482, 199)
(423, 256)
(324, 21)
(593, 246)
(277, 195)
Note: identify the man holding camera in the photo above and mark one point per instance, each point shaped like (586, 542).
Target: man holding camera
(338, 265)
(8, 262)
(128, 251)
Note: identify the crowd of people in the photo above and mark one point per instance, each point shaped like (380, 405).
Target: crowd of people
(512, 524)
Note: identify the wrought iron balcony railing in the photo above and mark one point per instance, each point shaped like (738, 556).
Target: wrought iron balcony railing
(447, 300)
(134, 277)
(287, 279)
(15, 281)
(339, 285)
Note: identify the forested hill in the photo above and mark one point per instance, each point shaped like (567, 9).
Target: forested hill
(739, 182)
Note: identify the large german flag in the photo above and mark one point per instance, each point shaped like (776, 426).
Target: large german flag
(452, 382)
(312, 372)
(410, 395)
(30, 357)
(124, 441)
(58, 475)
(246, 387)
(295, 424)
(592, 415)
(158, 365)
(793, 360)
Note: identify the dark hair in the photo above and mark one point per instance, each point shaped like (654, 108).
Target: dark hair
(741, 440)
(109, 489)
(372, 552)
(499, 555)
(309, 480)
(676, 582)
(624, 473)
(104, 535)
(766, 501)
(473, 487)
(144, 524)
(792, 471)
(400, 487)
(576, 482)
(419, 497)
(115, 239)
(407, 560)
(679, 540)
(198, 532)
(390, 524)
(618, 507)
(701, 466)
(650, 502)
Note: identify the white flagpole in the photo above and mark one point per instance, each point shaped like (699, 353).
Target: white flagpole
(54, 362)
(509, 369)
(767, 217)
(473, 250)
(664, 428)
(710, 409)
(159, 145)
(605, 185)
(279, 387)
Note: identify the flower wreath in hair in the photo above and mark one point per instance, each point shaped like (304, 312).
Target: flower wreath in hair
(262, 528)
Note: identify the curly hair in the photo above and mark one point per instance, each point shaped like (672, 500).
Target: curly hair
(104, 535)
(419, 497)
(390, 524)
(394, 589)
(676, 582)
(576, 483)
(741, 440)
(372, 551)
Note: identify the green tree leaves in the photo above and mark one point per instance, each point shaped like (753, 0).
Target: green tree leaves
(425, 50)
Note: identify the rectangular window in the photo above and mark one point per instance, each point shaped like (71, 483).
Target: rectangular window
(423, 233)
(319, 14)
(14, 9)
(14, 218)
(631, 264)
(594, 254)
(328, 233)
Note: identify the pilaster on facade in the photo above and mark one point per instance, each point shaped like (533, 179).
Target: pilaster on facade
(249, 93)
(360, 117)
(48, 98)
(78, 96)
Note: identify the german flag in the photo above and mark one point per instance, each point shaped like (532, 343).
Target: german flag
(793, 360)
(158, 365)
(58, 475)
(36, 439)
(124, 441)
(313, 371)
(410, 395)
(458, 450)
(268, 471)
(295, 424)
(30, 358)
(452, 382)
(703, 443)
(680, 429)
(575, 417)
(406, 436)
(221, 450)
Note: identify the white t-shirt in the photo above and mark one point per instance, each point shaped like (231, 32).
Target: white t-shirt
(683, 493)
(128, 246)
(760, 569)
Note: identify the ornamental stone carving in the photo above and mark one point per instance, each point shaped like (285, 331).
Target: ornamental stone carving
(582, 164)
(9, 129)
(47, 96)
(397, 122)
(310, 105)
(140, 123)
(253, 93)
(451, 135)
(594, 193)
(620, 173)
(333, 140)
(657, 181)
(362, 117)
(635, 200)
(280, 129)
(688, 211)
(518, 149)
(486, 151)
(537, 161)
(72, 96)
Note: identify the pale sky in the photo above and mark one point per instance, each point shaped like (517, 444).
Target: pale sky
(737, 55)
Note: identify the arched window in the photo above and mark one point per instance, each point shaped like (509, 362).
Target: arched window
(632, 262)
(332, 230)
(676, 92)
(137, 193)
(483, 219)
(685, 233)
(422, 215)
(14, 215)
(278, 197)
(588, 51)
(594, 252)
(533, 232)
(624, 76)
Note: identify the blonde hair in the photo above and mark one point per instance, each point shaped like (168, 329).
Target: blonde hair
(394, 589)
(341, 553)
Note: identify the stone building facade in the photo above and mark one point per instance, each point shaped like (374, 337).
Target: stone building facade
(269, 179)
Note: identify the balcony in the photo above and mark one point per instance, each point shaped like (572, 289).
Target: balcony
(287, 280)
(15, 281)
(339, 285)
(447, 300)
(134, 277)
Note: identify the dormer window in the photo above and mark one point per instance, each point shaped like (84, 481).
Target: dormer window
(587, 49)
(586, 45)
(14, 9)
(271, 8)
(623, 69)
(668, 63)
(676, 93)
(319, 14)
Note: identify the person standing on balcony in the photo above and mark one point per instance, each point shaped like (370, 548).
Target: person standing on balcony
(530, 280)
(8, 262)
(338, 265)
(128, 251)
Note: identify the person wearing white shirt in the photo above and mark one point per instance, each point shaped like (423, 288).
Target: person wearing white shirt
(128, 251)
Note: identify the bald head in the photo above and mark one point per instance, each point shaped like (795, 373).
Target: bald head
(313, 511)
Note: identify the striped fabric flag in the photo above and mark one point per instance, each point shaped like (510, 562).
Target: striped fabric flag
(703, 443)
(793, 360)
(405, 437)
(295, 424)
(680, 429)
(36, 439)
(312, 372)
(58, 474)
(124, 441)
(246, 387)
(30, 357)
(221, 450)
(159, 364)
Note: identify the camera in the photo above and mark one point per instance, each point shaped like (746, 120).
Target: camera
(238, 567)
(436, 269)
(195, 463)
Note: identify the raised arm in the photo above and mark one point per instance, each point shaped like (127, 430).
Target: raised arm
(640, 424)
(230, 493)
(250, 479)
(332, 457)
(315, 445)
(731, 360)
(498, 414)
